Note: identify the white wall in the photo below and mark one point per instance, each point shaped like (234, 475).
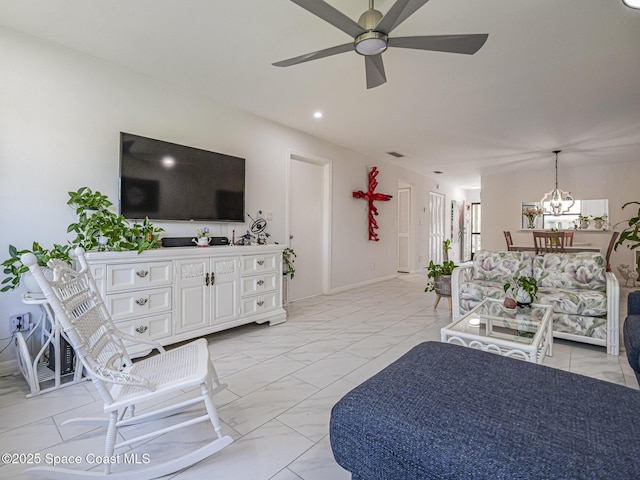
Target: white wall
(60, 117)
(502, 195)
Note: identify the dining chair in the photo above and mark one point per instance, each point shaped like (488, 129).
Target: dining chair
(142, 395)
(507, 237)
(612, 243)
(568, 238)
(549, 242)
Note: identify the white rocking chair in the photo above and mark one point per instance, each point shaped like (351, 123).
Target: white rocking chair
(123, 385)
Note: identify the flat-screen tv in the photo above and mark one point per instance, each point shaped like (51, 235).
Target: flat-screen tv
(166, 181)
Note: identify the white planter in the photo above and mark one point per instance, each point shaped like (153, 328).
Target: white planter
(28, 281)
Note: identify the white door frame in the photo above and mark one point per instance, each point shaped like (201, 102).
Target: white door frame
(404, 186)
(437, 224)
(326, 208)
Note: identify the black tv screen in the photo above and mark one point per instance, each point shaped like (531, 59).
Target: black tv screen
(166, 181)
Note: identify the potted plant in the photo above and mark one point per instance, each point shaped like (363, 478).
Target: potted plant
(523, 291)
(630, 234)
(17, 272)
(584, 221)
(288, 257)
(440, 273)
(532, 212)
(100, 228)
(598, 222)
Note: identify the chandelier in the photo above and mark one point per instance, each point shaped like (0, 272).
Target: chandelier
(557, 201)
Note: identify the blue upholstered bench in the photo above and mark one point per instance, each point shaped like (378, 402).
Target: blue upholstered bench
(631, 332)
(444, 411)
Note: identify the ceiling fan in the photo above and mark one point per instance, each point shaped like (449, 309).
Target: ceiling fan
(371, 36)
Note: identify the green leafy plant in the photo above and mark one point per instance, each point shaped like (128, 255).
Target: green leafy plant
(99, 228)
(524, 283)
(435, 270)
(288, 257)
(630, 234)
(601, 218)
(14, 268)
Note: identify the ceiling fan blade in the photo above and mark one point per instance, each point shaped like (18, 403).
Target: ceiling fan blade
(374, 69)
(327, 52)
(398, 13)
(468, 44)
(329, 14)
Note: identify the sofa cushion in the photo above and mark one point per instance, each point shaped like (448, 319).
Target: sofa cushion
(576, 271)
(500, 267)
(472, 293)
(593, 327)
(592, 303)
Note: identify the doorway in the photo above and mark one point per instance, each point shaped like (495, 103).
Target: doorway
(436, 226)
(404, 229)
(309, 225)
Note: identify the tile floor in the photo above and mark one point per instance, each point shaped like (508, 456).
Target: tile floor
(282, 382)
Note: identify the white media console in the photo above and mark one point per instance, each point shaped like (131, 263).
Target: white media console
(175, 294)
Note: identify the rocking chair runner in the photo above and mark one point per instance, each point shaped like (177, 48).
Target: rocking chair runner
(124, 385)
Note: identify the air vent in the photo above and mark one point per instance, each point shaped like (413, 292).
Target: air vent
(395, 154)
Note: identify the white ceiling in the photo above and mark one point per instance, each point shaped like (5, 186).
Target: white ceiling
(554, 74)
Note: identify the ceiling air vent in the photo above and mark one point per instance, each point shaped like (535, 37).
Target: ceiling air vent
(395, 154)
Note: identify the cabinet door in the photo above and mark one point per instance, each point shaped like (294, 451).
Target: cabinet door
(226, 280)
(193, 295)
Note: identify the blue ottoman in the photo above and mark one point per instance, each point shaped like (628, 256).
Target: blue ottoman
(631, 332)
(444, 411)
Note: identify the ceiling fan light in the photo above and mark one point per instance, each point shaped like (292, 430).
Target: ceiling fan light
(371, 43)
(632, 3)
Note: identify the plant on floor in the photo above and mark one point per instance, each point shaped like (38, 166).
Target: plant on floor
(630, 234)
(437, 270)
(288, 257)
(14, 268)
(523, 289)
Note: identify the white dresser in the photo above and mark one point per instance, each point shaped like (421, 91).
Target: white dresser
(175, 294)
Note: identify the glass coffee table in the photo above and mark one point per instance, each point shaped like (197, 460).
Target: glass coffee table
(523, 332)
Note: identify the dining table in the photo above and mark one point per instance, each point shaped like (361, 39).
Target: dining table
(567, 249)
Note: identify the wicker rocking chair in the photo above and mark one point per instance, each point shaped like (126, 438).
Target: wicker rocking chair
(123, 384)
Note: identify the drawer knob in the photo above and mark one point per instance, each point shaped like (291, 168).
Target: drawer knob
(260, 282)
(142, 329)
(260, 303)
(142, 301)
(260, 262)
(142, 273)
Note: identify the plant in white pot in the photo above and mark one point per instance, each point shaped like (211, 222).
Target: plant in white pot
(521, 291)
(18, 273)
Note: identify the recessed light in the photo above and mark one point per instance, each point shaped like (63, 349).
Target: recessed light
(632, 3)
(317, 114)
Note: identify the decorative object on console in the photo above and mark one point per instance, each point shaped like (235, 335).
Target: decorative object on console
(598, 222)
(259, 228)
(584, 220)
(371, 196)
(202, 237)
(556, 201)
(532, 213)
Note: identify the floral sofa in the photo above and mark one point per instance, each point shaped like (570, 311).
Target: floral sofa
(584, 296)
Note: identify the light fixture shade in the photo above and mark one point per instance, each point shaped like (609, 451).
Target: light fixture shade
(632, 3)
(557, 202)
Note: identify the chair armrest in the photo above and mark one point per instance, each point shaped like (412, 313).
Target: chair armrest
(633, 303)
(462, 273)
(613, 314)
(130, 338)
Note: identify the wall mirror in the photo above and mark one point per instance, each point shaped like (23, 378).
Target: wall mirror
(598, 208)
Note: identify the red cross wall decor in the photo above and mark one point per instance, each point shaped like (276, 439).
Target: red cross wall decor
(371, 196)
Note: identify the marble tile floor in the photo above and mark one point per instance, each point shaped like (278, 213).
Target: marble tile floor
(282, 382)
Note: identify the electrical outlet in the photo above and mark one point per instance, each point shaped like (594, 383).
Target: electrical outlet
(21, 322)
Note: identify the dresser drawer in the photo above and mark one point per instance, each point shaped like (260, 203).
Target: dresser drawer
(260, 263)
(153, 327)
(138, 275)
(259, 283)
(260, 303)
(144, 302)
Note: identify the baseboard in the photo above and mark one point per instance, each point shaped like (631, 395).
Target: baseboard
(9, 367)
(362, 284)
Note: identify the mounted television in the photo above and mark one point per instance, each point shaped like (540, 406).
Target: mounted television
(166, 181)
